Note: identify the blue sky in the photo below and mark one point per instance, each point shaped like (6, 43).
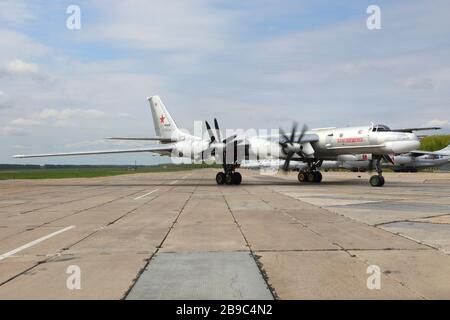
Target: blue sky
(252, 64)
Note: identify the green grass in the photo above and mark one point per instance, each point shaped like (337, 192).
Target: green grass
(434, 143)
(90, 172)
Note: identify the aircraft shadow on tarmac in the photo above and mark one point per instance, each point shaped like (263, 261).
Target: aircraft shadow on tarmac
(210, 183)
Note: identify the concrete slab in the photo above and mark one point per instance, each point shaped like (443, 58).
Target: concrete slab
(325, 275)
(354, 235)
(103, 276)
(426, 272)
(201, 275)
(204, 237)
(303, 232)
(435, 235)
(281, 236)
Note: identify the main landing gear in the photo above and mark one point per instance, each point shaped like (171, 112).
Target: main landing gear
(378, 179)
(311, 174)
(229, 176)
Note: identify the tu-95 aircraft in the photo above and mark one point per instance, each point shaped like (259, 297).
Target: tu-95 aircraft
(309, 146)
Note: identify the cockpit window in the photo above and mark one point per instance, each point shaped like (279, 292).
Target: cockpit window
(381, 128)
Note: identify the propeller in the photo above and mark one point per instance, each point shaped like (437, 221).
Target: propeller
(290, 146)
(216, 142)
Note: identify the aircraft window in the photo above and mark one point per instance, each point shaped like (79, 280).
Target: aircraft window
(341, 135)
(330, 135)
(381, 128)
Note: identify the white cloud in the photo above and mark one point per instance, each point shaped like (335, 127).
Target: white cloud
(15, 11)
(16, 44)
(18, 67)
(14, 131)
(438, 123)
(416, 83)
(170, 26)
(23, 122)
(53, 117)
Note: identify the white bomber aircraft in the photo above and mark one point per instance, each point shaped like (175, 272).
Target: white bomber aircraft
(311, 147)
(405, 162)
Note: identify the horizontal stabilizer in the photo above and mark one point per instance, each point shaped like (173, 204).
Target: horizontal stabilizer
(416, 129)
(143, 139)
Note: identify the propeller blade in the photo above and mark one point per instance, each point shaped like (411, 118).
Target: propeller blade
(285, 137)
(288, 159)
(210, 133)
(216, 126)
(304, 129)
(294, 130)
(229, 139)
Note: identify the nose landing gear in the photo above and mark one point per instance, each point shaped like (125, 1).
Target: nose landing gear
(377, 180)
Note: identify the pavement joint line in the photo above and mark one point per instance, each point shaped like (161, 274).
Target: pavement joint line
(252, 253)
(173, 182)
(409, 220)
(65, 202)
(374, 225)
(147, 194)
(76, 212)
(355, 256)
(50, 258)
(33, 243)
(139, 274)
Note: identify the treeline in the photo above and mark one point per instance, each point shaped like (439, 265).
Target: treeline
(434, 143)
(64, 166)
(119, 167)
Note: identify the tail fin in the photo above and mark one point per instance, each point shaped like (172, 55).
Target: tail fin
(165, 126)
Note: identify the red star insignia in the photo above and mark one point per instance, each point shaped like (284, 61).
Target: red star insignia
(162, 119)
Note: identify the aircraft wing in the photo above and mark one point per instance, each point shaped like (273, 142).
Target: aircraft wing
(418, 153)
(166, 148)
(143, 139)
(308, 137)
(357, 147)
(416, 129)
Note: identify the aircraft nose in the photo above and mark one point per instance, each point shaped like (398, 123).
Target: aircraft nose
(415, 140)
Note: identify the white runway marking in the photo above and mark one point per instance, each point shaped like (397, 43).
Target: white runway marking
(33, 243)
(173, 182)
(147, 194)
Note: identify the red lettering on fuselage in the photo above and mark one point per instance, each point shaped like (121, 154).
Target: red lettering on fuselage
(350, 140)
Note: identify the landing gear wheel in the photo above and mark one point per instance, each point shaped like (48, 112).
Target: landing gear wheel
(229, 178)
(301, 176)
(381, 181)
(220, 178)
(377, 181)
(317, 176)
(310, 177)
(237, 178)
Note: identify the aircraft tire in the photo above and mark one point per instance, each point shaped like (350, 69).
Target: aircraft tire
(310, 177)
(301, 176)
(229, 179)
(317, 176)
(376, 181)
(237, 178)
(220, 178)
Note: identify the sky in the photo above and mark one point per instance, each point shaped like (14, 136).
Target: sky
(252, 64)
